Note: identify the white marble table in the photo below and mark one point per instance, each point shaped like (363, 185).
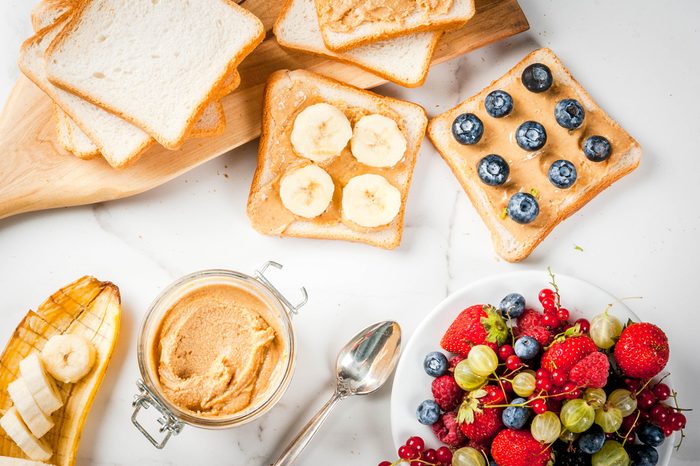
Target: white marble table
(640, 238)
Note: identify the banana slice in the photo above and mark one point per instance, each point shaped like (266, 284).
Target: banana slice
(38, 422)
(33, 447)
(307, 191)
(10, 461)
(370, 200)
(40, 384)
(320, 132)
(68, 358)
(377, 141)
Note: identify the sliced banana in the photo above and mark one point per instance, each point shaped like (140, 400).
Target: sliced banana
(377, 141)
(68, 358)
(370, 201)
(33, 447)
(38, 422)
(320, 132)
(307, 191)
(10, 461)
(40, 384)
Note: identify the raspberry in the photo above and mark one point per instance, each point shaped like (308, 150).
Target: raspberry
(591, 371)
(448, 432)
(530, 324)
(447, 393)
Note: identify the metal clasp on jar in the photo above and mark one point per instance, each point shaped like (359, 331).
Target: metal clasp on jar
(293, 308)
(167, 420)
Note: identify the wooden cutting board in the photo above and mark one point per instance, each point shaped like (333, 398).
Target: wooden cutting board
(36, 173)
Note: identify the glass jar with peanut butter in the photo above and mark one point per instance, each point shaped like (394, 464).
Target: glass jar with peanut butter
(216, 350)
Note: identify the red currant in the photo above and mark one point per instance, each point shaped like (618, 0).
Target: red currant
(632, 384)
(629, 423)
(543, 373)
(416, 443)
(645, 399)
(417, 462)
(659, 413)
(554, 405)
(558, 377)
(629, 439)
(667, 431)
(548, 303)
(505, 351)
(563, 314)
(539, 406)
(507, 386)
(429, 455)
(546, 293)
(407, 453)
(513, 362)
(543, 384)
(570, 391)
(584, 325)
(494, 395)
(550, 320)
(661, 391)
(677, 421)
(444, 455)
(384, 463)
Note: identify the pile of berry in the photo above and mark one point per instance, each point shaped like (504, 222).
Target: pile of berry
(528, 388)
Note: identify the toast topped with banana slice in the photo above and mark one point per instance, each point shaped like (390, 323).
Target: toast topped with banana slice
(530, 150)
(335, 162)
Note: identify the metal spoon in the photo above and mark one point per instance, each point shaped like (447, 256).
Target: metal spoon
(362, 366)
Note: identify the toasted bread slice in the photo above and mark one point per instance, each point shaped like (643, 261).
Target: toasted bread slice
(188, 50)
(404, 60)
(345, 25)
(287, 94)
(529, 170)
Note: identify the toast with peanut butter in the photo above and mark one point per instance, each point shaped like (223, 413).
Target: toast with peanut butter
(346, 24)
(335, 161)
(530, 150)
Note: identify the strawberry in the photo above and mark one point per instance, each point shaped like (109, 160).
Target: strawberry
(446, 429)
(518, 448)
(476, 325)
(447, 393)
(477, 421)
(530, 325)
(591, 371)
(642, 350)
(565, 354)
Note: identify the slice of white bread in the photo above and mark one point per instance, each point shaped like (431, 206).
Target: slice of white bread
(119, 142)
(438, 15)
(62, 131)
(528, 170)
(287, 94)
(154, 63)
(404, 60)
(81, 146)
(46, 12)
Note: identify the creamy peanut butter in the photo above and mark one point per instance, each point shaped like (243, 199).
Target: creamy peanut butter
(273, 217)
(217, 351)
(347, 15)
(528, 170)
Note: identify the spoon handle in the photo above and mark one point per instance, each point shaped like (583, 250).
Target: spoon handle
(294, 449)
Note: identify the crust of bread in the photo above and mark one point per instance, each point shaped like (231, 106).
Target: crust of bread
(49, 7)
(438, 25)
(177, 142)
(339, 232)
(339, 56)
(201, 132)
(488, 215)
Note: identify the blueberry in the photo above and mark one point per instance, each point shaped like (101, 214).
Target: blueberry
(531, 136)
(515, 417)
(596, 148)
(592, 440)
(569, 113)
(523, 208)
(435, 364)
(498, 104)
(526, 347)
(512, 305)
(537, 78)
(651, 435)
(643, 455)
(493, 170)
(467, 128)
(428, 412)
(562, 174)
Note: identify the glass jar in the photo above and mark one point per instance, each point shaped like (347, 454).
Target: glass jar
(173, 418)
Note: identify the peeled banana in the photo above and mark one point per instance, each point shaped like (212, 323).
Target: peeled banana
(40, 384)
(10, 461)
(38, 422)
(320, 132)
(68, 357)
(34, 448)
(377, 141)
(370, 201)
(307, 191)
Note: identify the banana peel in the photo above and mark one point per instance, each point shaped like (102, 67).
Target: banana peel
(87, 307)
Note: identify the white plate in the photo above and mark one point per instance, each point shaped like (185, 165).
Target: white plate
(412, 384)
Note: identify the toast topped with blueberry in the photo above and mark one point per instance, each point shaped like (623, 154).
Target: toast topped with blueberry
(530, 150)
(335, 161)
